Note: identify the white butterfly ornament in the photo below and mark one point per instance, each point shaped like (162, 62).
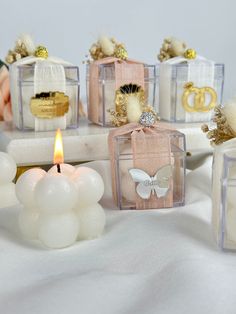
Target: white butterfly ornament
(148, 185)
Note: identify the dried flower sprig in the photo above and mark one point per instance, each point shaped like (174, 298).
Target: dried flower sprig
(223, 130)
(107, 47)
(24, 47)
(173, 47)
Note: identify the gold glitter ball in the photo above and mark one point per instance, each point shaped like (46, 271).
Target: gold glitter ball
(121, 53)
(190, 54)
(41, 52)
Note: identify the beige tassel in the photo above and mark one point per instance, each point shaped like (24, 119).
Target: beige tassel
(134, 108)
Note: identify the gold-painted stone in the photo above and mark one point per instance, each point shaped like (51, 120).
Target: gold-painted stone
(41, 52)
(49, 105)
(199, 100)
(190, 53)
(121, 53)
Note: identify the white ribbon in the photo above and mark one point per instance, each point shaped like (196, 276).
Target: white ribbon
(49, 75)
(200, 72)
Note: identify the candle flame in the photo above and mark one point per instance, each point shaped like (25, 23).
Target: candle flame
(58, 149)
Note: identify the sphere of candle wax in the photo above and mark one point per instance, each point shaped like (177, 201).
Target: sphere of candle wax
(66, 169)
(25, 186)
(231, 224)
(92, 221)
(89, 184)
(8, 195)
(28, 223)
(58, 231)
(55, 194)
(7, 168)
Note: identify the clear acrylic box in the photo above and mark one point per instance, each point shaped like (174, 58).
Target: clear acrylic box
(154, 167)
(224, 205)
(199, 102)
(101, 101)
(47, 110)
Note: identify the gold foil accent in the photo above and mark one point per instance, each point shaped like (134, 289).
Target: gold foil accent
(41, 52)
(120, 52)
(49, 105)
(190, 53)
(222, 132)
(119, 115)
(199, 102)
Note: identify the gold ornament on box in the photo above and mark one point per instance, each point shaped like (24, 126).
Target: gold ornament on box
(173, 47)
(108, 47)
(41, 52)
(129, 105)
(224, 130)
(25, 47)
(199, 100)
(190, 54)
(49, 105)
(120, 52)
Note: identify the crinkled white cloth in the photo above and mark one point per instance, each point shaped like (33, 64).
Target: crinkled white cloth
(147, 262)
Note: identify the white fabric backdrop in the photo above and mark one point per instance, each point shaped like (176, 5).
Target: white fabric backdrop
(148, 262)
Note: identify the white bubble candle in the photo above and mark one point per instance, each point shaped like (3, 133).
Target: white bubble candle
(61, 206)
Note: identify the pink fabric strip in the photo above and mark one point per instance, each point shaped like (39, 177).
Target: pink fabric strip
(145, 143)
(126, 72)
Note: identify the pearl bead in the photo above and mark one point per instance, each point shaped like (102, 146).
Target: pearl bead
(28, 223)
(58, 231)
(89, 184)
(55, 194)
(66, 170)
(92, 221)
(25, 186)
(8, 168)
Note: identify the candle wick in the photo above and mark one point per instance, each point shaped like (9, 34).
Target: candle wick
(58, 168)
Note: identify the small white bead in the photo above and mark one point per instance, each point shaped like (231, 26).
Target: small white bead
(89, 185)
(25, 186)
(55, 194)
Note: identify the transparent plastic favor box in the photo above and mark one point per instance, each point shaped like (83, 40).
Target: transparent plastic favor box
(162, 176)
(100, 104)
(47, 110)
(224, 213)
(181, 100)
